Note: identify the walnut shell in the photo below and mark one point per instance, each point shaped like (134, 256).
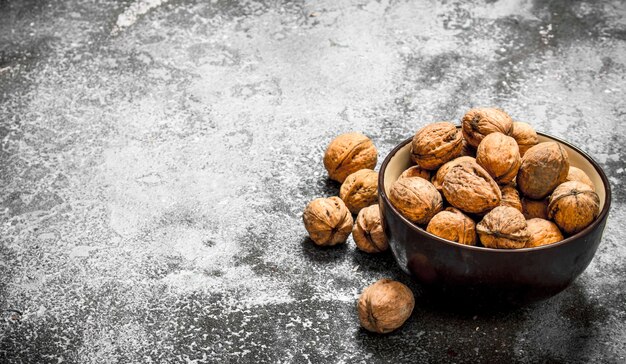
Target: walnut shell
(385, 305)
(416, 198)
(577, 174)
(479, 122)
(525, 136)
(535, 208)
(499, 155)
(359, 190)
(437, 179)
(416, 171)
(349, 153)
(504, 227)
(368, 231)
(573, 206)
(453, 225)
(542, 232)
(510, 197)
(468, 187)
(328, 221)
(436, 144)
(544, 167)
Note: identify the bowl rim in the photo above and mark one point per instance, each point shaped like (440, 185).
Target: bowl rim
(578, 235)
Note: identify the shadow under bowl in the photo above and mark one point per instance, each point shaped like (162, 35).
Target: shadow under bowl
(484, 276)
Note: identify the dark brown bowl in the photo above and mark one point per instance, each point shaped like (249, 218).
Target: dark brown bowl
(478, 275)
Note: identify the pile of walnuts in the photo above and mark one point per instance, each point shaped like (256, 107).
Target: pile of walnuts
(493, 170)
(350, 160)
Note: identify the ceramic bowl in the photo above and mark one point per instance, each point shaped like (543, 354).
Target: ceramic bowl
(483, 275)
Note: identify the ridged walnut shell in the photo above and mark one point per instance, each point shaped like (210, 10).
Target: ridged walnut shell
(453, 225)
(359, 190)
(416, 198)
(368, 231)
(416, 171)
(480, 122)
(499, 155)
(573, 206)
(577, 174)
(349, 153)
(544, 167)
(385, 306)
(510, 197)
(525, 136)
(437, 179)
(468, 187)
(436, 144)
(535, 208)
(328, 221)
(542, 232)
(503, 228)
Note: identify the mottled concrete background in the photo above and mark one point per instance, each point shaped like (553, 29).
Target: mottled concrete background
(156, 157)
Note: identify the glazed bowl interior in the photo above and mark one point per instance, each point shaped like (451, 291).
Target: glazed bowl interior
(402, 160)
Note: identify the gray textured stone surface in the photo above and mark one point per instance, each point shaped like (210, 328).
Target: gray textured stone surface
(155, 157)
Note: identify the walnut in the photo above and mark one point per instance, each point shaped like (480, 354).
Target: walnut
(525, 136)
(573, 206)
(577, 174)
(510, 197)
(544, 167)
(359, 190)
(504, 227)
(349, 153)
(368, 231)
(416, 198)
(416, 171)
(453, 225)
(435, 144)
(479, 122)
(542, 232)
(535, 208)
(468, 187)
(385, 305)
(328, 221)
(499, 155)
(437, 179)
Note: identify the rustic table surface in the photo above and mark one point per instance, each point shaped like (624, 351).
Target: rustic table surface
(156, 156)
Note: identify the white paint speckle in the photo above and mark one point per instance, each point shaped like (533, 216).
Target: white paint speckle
(81, 251)
(133, 12)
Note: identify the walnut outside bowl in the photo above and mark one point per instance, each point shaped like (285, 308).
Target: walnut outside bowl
(482, 276)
